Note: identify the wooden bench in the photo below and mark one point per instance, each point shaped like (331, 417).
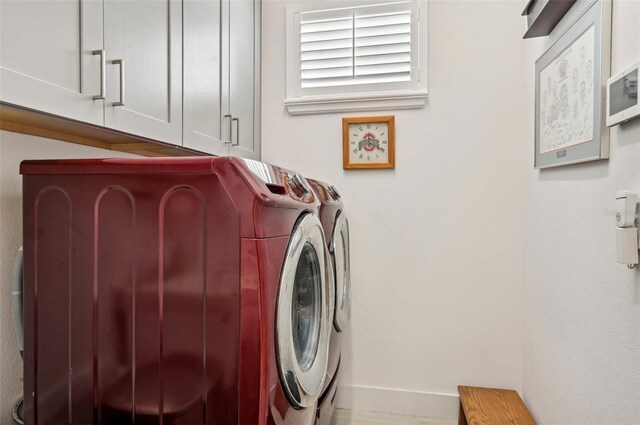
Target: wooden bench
(492, 406)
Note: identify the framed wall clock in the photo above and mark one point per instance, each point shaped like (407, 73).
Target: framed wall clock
(368, 142)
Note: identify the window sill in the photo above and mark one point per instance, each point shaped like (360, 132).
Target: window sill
(406, 99)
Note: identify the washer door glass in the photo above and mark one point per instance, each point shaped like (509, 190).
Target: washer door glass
(342, 271)
(304, 314)
(306, 309)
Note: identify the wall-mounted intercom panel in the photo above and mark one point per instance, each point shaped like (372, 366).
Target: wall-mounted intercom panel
(622, 96)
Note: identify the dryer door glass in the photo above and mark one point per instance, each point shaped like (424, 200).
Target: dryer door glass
(304, 313)
(307, 307)
(342, 271)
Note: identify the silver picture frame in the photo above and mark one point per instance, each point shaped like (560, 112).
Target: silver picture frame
(570, 91)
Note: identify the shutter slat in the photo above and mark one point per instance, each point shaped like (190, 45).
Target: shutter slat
(327, 63)
(327, 82)
(326, 45)
(383, 40)
(386, 78)
(326, 35)
(326, 54)
(382, 59)
(326, 25)
(383, 50)
(383, 30)
(386, 68)
(382, 20)
(327, 73)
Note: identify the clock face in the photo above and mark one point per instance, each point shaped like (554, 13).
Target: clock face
(368, 143)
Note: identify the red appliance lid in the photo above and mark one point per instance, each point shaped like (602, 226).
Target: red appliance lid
(187, 165)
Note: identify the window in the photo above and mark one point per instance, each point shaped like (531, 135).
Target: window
(355, 58)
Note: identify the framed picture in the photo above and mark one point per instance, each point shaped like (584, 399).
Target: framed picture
(571, 76)
(368, 142)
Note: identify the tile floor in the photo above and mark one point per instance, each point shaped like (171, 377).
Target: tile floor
(351, 417)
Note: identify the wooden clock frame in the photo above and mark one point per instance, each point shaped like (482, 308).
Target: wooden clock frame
(390, 120)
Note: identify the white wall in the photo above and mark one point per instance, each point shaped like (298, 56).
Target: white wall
(437, 243)
(14, 148)
(582, 315)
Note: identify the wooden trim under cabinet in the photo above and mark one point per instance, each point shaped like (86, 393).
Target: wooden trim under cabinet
(35, 123)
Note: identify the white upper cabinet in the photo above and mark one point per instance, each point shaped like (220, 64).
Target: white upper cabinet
(222, 77)
(143, 41)
(184, 72)
(46, 57)
(202, 86)
(242, 97)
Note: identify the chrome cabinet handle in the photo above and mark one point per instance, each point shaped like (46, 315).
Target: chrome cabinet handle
(103, 74)
(230, 128)
(237, 120)
(122, 92)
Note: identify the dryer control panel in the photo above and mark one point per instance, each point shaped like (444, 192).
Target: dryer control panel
(326, 192)
(280, 181)
(298, 187)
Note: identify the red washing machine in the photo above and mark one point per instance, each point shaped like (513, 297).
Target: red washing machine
(336, 230)
(173, 292)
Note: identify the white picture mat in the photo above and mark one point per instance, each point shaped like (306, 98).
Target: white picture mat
(566, 96)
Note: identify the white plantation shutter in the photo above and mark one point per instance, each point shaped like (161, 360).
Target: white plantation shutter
(363, 45)
(354, 51)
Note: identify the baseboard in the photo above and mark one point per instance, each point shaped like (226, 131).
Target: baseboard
(399, 402)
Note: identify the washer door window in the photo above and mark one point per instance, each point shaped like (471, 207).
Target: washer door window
(342, 271)
(304, 311)
(306, 307)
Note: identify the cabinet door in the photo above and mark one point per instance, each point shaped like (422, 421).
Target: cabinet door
(143, 40)
(46, 56)
(242, 100)
(202, 58)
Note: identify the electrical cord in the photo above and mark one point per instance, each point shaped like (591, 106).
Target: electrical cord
(18, 411)
(18, 322)
(17, 298)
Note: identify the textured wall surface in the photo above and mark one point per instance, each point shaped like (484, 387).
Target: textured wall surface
(14, 148)
(437, 243)
(582, 310)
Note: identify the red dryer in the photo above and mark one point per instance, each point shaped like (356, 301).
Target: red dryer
(336, 230)
(173, 291)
